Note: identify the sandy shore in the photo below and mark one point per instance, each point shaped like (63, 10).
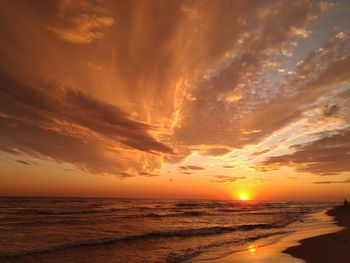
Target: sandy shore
(333, 247)
(317, 239)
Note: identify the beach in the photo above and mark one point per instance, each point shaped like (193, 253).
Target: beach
(333, 247)
(324, 238)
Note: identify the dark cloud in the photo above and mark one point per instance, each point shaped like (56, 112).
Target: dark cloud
(124, 175)
(217, 151)
(329, 155)
(229, 166)
(261, 152)
(23, 162)
(227, 179)
(192, 167)
(148, 174)
(331, 110)
(347, 181)
(69, 126)
(47, 142)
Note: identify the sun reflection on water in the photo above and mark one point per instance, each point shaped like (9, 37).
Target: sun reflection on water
(252, 249)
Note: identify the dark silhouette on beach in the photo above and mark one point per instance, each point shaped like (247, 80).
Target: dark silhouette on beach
(333, 247)
(346, 204)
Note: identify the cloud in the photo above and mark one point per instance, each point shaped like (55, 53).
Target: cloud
(124, 175)
(23, 162)
(81, 21)
(208, 120)
(260, 152)
(192, 167)
(347, 181)
(216, 151)
(228, 166)
(148, 174)
(70, 126)
(341, 36)
(326, 156)
(331, 110)
(228, 179)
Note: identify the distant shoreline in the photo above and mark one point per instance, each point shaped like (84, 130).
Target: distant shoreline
(334, 247)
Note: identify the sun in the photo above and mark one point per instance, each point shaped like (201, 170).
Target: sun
(244, 197)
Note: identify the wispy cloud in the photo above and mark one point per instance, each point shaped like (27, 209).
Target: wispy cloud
(192, 167)
(81, 21)
(347, 181)
(326, 156)
(217, 151)
(70, 126)
(228, 179)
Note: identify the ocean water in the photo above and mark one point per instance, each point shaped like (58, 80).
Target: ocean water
(134, 230)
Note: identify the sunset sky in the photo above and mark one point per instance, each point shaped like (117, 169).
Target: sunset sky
(175, 99)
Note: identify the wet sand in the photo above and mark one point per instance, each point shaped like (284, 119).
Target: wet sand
(333, 247)
(316, 240)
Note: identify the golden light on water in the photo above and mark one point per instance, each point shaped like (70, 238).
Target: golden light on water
(252, 249)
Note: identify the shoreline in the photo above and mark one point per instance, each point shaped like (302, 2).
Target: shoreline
(302, 243)
(333, 247)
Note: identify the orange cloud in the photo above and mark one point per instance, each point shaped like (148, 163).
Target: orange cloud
(81, 22)
(326, 156)
(192, 167)
(346, 181)
(70, 126)
(228, 179)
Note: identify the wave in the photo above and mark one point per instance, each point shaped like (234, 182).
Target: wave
(182, 214)
(188, 204)
(39, 223)
(75, 212)
(255, 212)
(189, 254)
(206, 231)
(229, 210)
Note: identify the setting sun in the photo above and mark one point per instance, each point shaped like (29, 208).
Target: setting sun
(244, 197)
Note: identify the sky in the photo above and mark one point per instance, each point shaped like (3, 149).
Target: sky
(175, 99)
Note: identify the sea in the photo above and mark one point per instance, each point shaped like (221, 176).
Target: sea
(138, 230)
